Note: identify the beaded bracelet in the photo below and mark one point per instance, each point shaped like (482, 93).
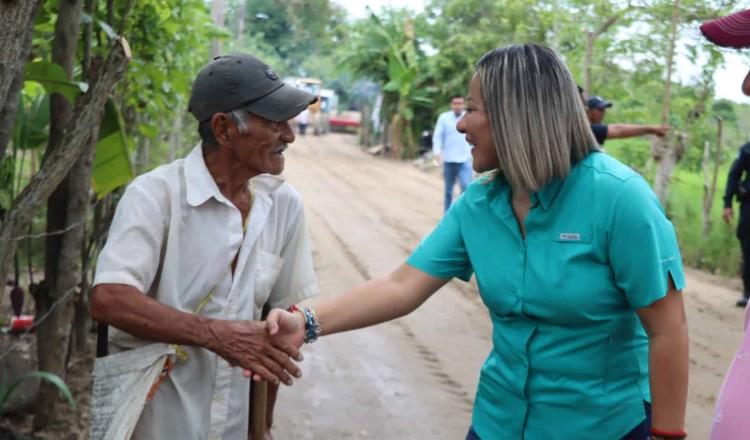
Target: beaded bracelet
(312, 324)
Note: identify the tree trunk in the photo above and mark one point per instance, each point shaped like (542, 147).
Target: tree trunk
(706, 211)
(588, 57)
(386, 134)
(69, 269)
(241, 20)
(175, 137)
(364, 126)
(397, 133)
(80, 177)
(16, 28)
(88, 32)
(218, 7)
(709, 179)
(662, 148)
(53, 333)
(89, 112)
(142, 155)
(666, 164)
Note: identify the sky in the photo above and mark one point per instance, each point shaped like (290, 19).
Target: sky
(728, 79)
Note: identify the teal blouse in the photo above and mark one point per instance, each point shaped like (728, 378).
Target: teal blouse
(570, 356)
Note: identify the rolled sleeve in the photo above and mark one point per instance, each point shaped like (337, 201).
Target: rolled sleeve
(443, 254)
(643, 248)
(132, 252)
(296, 281)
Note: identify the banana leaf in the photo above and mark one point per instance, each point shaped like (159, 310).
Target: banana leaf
(112, 166)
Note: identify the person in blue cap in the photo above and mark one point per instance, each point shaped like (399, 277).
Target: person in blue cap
(596, 110)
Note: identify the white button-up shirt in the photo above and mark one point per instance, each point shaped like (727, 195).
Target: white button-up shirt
(173, 237)
(446, 139)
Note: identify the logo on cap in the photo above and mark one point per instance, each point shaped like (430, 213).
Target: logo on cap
(272, 75)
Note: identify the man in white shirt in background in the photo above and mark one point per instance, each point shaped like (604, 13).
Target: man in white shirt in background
(199, 245)
(302, 120)
(450, 147)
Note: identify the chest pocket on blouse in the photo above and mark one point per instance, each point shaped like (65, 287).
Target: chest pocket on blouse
(268, 268)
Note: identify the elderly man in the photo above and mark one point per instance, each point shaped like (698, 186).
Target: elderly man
(198, 246)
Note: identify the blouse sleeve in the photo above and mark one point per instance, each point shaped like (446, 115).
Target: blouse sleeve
(442, 253)
(643, 250)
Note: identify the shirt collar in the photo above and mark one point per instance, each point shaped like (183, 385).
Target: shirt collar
(199, 182)
(547, 194)
(201, 185)
(266, 184)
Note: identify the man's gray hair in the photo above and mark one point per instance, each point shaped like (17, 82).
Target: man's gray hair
(538, 123)
(239, 116)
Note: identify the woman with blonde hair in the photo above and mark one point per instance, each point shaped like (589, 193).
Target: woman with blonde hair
(575, 261)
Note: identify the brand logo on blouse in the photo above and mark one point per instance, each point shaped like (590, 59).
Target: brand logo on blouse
(570, 236)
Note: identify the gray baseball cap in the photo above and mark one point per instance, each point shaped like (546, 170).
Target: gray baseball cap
(240, 80)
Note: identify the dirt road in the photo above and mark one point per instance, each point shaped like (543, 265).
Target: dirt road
(415, 378)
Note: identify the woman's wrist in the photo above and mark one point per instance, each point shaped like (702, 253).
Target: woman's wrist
(312, 328)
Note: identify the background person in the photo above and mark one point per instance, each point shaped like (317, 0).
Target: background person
(573, 257)
(731, 419)
(596, 109)
(302, 120)
(738, 186)
(450, 147)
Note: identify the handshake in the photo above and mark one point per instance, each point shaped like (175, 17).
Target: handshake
(266, 350)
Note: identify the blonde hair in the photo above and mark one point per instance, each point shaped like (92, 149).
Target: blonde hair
(538, 123)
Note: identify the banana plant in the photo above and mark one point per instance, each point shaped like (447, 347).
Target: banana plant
(112, 166)
(384, 49)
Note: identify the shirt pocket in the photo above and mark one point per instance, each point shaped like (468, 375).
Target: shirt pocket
(268, 268)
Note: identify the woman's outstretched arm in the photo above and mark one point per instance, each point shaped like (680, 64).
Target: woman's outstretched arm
(370, 303)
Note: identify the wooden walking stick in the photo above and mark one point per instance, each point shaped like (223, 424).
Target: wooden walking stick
(259, 410)
(259, 400)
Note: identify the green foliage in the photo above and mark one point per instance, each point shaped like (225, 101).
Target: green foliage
(384, 49)
(296, 32)
(461, 31)
(165, 62)
(417, 61)
(7, 173)
(32, 120)
(112, 167)
(54, 79)
(6, 390)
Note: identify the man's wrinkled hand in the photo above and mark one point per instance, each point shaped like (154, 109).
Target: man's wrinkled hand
(248, 345)
(287, 332)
